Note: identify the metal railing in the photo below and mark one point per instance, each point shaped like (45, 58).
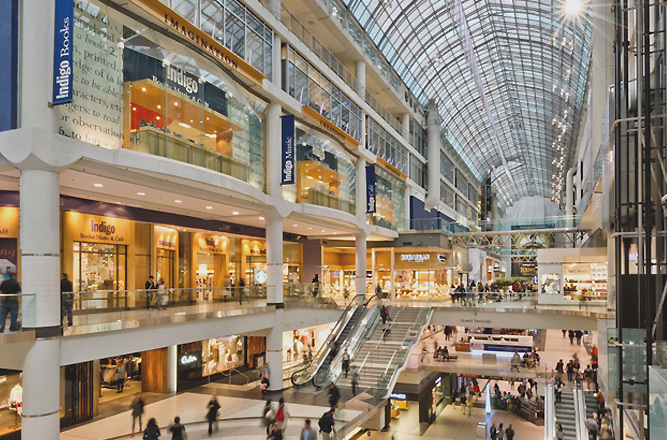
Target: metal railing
(549, 412)
(110, 300)
(580, 412)
(19, 310)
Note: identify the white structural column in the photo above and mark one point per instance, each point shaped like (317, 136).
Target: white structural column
(274, 258)
(276, 70)
(569, 192)
(360, 263)
(36, 60)
(40, 257)
(433, 194)
(274, 149)
(360, 74)
(361, 189)
(172, 365)
(274, 351)
(405, 127)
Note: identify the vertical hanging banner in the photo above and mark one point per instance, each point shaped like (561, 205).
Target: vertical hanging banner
(287, 168)
(63, 36)
(370, 189)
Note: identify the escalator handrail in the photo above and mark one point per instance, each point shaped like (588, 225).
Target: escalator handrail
(358, 335)
(325, 348)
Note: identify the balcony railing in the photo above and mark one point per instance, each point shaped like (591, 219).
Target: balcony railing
(19, 310)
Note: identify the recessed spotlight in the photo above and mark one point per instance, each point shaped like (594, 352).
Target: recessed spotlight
(98, 185)
(209, 207)
(323, 230)
(295, 225)
(261, 218)
(310, 227)
(178, 201)
(141, 194)
(235, 213)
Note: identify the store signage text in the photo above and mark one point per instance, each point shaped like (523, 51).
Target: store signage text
(178, 77)
(62, 52)
(475, 321)
(442, 258)
(287, 169)
(399, 396)
(438, 380)
(101, 231)
(166, 243)
(188, 359)
(370, 189)
(416, 258)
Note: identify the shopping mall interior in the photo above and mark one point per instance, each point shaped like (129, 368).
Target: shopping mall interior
(335, 219)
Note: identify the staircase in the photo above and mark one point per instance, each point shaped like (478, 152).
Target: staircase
(591, 402)
(565, 414)
(381, 356)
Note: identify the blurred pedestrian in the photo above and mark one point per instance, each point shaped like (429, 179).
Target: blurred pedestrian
(213, 409)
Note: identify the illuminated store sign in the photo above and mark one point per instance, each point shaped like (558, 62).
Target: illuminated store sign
(416, 258)
(62, 52)
(399, 396)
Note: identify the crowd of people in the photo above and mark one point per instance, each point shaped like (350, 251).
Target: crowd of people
(478, 292)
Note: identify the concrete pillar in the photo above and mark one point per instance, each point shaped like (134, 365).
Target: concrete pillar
(569, 192)
(361, 189)
(172, 365)
(405, 127)
(360, 263)
(40, 256)
(360, 74)
(274, 258)
(433, 156)
(274, 150)
(273, 6)
(36, 60)
(277, 71)
(274, 351)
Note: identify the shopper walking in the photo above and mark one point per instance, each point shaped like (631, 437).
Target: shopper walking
(9, 303)
(177, 430)
(570, 334)
(509, 433)
(346, 362)
(316, 285)
(149, 286)
(162, 299)
(213, 409)
(501, 432)
(560, 432)
(493, 432)
(334, 395)
(67, 298)
(355, 380)
(152, 432)
(592, 427)
(308, 432)
(326, 424)
(578, 334)
(276, 434)
(268, 416)
(282, 415)
(137, 407)
(559, 391)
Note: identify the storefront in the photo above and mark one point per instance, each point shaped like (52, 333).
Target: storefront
(9, 238)
(572, 275)
(339, 270)
(423, 273)
(297, 343)
(426, 393)
(390, 197)
(325, 172)
(11, 400)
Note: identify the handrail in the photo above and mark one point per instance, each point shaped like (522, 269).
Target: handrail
(247, 379)
(580, 412)
(325, 348)
(549, 412)
(384, 332)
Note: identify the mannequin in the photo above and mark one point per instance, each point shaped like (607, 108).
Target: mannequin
(16, 402)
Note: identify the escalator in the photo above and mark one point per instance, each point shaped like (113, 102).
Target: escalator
(346, 325)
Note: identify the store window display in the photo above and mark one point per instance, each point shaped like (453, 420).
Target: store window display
(222, 354)
(300, 345)
(99, 266)
(326, 174)
(11, 401)
(159, 98)
(390, 200)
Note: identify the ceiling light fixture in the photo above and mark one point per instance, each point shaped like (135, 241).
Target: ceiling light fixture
(178, 201)
(261, 218)
(98, 185)
(141, 193)
(235, 213)
(209, 207)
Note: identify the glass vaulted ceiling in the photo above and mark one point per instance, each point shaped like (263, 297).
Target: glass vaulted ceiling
(533, 66)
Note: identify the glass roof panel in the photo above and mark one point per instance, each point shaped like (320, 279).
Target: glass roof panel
(533, 66)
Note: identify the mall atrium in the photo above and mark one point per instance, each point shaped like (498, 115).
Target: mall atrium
(333, 219)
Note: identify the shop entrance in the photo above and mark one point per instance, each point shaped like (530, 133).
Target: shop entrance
(210, 274)
(99, 267)
(165, 266)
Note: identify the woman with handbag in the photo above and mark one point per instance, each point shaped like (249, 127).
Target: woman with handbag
(178, 430)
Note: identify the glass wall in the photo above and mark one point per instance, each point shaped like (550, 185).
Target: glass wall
(446, 167)
(418, 171)
(461, 183)
(99, 266)
(418, 137)
(309, 87)
(325, 174)
(446, 194)
(390, 201)
(384, 146)
(135, 88)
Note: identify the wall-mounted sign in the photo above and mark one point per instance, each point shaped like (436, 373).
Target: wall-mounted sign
(438, 380)
(62, 52)
(417, 258)
(330, 127)
(370, 189)
(214, 244)
(260, 276)
(189, 360)
(93, 228)
(399, 396)
(287, 175)
(442, 258)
